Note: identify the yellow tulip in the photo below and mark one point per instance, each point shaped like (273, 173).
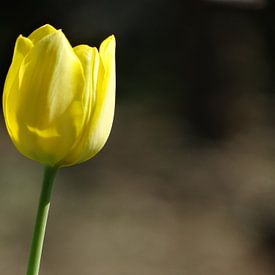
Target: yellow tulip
(59, 101)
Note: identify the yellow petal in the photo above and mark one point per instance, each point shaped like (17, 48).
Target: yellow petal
(102, 114)
(22, 47)
(41, 32)
(48, 107)
(89, 57)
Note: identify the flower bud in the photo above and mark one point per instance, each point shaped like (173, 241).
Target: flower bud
(59, 101)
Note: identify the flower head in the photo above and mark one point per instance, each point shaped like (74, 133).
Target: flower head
(59, 101)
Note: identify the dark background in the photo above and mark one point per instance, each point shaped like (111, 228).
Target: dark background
(186, 181)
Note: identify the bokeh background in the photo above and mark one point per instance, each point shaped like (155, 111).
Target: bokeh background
(186, 182)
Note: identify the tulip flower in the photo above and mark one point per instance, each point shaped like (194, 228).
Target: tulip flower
(58, 105)
(59, 101)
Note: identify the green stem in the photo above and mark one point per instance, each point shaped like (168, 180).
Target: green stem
(41, 221)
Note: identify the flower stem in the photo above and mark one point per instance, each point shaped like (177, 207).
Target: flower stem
(41, 221)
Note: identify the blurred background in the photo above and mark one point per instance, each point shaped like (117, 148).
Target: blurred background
(186, 182)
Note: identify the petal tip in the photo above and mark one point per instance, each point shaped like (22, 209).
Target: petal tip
(47, 25)
(41, 32)
(111, 39)
(108, 44)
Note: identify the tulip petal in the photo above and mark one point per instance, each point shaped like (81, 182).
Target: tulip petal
(89, 59)
(49, 109)
(101, 118)
(103, 115)
(41, 32)
(22, 47)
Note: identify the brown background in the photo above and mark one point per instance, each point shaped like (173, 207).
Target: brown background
(186, 182)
